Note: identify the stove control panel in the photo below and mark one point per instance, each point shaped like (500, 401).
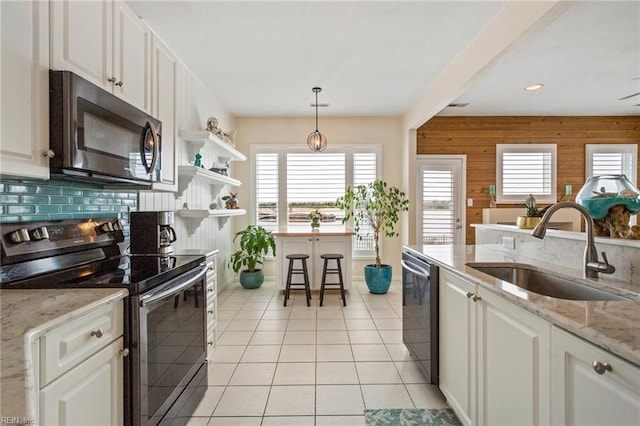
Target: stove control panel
(40, 239)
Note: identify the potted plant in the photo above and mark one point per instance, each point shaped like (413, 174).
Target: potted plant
(379, 206)
(315, 217)
(534, 214)
(255, 243)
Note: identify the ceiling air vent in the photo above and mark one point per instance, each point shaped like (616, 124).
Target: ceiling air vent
(458, 105)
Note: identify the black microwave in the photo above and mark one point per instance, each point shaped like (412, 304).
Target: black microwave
(97, 137)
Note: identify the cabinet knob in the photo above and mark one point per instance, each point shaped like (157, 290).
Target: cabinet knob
(469, 295)
(210, 343)
(124, 352)
(48, 153)
(111, 80)
(98, 333)
(476, 298)
(601, 367)
(210, 290)
(211, 268)
(211, 312)
(310, 239)
(120, 83)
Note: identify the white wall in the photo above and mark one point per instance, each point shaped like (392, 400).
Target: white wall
(196, 103)
(385, 131)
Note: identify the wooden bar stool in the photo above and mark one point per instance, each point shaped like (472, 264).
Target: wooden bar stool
(298, 271)
(332, 271)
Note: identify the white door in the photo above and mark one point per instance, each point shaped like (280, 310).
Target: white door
(441, 187)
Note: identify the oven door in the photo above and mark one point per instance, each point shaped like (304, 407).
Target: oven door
(169, 355)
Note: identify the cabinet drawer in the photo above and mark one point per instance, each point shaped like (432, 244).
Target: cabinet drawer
(69, 345)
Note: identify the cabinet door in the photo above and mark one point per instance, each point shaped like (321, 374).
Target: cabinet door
(582, 396)
(328, 245)
(458, 345)
(81, 39)
(513, 364)
(164, 107)
(89, 394)
(131, 57)
(24, 79)
(292, 245)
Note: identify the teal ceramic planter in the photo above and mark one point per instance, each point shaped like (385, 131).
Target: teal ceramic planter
(378, 279)
(251, 279)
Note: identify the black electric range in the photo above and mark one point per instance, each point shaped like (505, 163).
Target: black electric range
(167, 297)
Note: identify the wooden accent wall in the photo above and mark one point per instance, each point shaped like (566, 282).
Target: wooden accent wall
(477, 138)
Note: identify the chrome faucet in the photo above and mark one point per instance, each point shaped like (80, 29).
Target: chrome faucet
(592, 266)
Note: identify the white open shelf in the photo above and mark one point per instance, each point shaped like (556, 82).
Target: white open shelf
(198, 139)
(186, 174)
(194, 217)
(204, 213)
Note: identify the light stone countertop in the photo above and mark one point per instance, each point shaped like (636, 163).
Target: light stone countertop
(25, 316)
(611, 325)
(305, 231)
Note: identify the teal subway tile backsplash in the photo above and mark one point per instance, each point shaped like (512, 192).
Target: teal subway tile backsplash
(31, 200)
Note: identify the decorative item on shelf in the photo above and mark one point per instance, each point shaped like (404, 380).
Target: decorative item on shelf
(315, 217)
(377, 205)
(230, 137)
(492, 193)
(317, 142)
(534, 214)
(231, 201)
(611, 200)
(568, 190)
(197, 161)
(255, 243)
(221, 169)
(212, 126)
(213, 206)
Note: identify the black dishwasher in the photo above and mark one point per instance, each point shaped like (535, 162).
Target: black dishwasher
(420, 312)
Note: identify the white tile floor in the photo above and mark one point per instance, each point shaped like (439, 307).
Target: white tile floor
(300, 365)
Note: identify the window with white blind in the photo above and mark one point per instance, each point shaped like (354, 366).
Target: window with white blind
(438, 191)
(523, 169)
(266, 190)
(292, 182)
(612, 159)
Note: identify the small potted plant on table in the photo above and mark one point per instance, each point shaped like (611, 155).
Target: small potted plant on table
(255, 243)
(534, 214)
(379, 206)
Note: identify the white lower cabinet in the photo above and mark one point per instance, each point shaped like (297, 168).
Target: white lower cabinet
(591, 386)
(494, 357)
(314, 247)
(212, 302)
(80, 370)
(89, 394)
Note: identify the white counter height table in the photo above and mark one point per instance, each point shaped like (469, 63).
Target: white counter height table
(301, 240)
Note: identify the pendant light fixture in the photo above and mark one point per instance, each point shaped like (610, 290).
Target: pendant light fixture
(316, 141)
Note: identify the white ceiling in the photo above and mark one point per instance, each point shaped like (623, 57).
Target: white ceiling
(378, 58)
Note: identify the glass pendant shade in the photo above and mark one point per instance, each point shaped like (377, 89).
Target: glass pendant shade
(316, 141)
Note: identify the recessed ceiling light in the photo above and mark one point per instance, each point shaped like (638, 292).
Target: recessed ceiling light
(535, 86)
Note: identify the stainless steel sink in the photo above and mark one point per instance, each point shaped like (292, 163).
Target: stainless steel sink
(542, 282)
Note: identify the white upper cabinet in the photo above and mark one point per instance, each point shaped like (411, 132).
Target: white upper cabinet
(164, 106)
(24, 77)
(132, 41)
(105, 43)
